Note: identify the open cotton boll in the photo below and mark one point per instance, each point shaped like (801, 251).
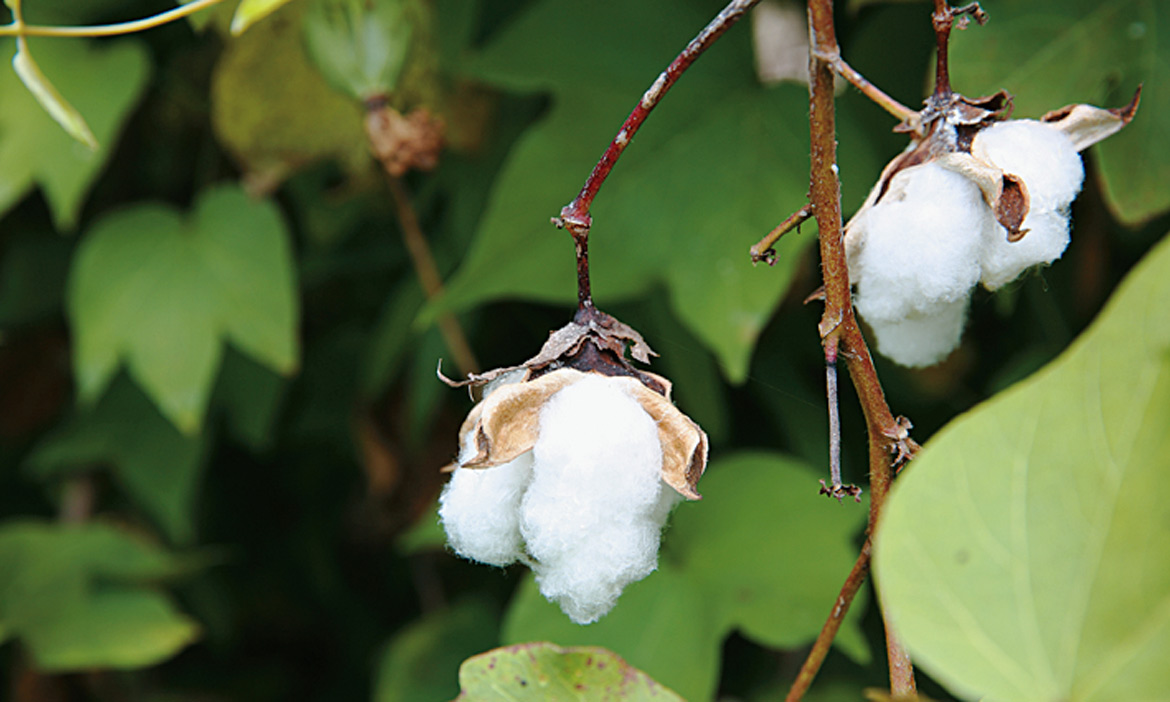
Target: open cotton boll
(922, 338)
(916, 261)
(593, 514)
(479, 509)
(1044, 157)
(1003, 261)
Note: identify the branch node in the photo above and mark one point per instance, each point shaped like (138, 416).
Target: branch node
(840, 491)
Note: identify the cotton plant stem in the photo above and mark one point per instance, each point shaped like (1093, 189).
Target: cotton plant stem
(107, 30)
(838, 327)
(428, 276)
(908, 116)
(762, 249)
(820, 647)
(575, 216)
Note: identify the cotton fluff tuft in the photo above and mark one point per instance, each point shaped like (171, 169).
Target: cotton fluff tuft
(1048, 163)
(479, 509)
(593, 515)
(917, 259)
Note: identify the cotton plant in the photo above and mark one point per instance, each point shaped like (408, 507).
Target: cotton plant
(975, 199)
(570, 464)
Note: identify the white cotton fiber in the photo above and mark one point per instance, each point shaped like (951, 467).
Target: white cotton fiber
(916, 260)
(1042, 156)
(1004, 261)
(593, 515)
(479, 509)
(922, 338)
(1048, 163)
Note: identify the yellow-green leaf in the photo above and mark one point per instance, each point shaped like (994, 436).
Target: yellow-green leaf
(1025, 555)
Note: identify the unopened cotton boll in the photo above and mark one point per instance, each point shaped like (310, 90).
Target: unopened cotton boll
(1050, 167)
(593, 516)
(916, 259)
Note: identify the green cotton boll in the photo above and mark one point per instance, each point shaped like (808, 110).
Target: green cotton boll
(360, 46)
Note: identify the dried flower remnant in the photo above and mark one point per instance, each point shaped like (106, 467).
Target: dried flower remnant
(975, 199)
(571, 463)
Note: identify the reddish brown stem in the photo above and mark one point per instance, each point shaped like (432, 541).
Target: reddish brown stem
(762, 249)
(820, 648)
(575, 216)
(839, 329)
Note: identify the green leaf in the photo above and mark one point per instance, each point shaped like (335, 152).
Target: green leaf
(250, 12)
(103, 82)
(77, 597)
(162, 294)
(762, 553)
(154, 463)
(1026, 554)
(769, 552)
(420, 663)
(250, 397)
(716, 166)
(537, 672)
(1051, 53)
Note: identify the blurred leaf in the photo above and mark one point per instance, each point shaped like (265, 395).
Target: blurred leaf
(424, 535)
(155, 464)
(762, 553)
(77, 596)
(1026, 554)
(250, 396)
(33, 265)
(102, 83)
(538, 672)
(250, 12)
(1051, 53)
(58, 108)
(420, 663)
(769, 552)
(678, 207)
(272, 110)
(161, 294)
(360, 46)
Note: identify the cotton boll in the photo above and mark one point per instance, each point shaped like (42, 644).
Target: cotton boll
(922, 338)
(479, 509)
(593, 515)
(1044, 157)
(917, 259)
(1004, 261)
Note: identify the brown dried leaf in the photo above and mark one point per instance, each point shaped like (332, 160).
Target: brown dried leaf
(684, 443)
(508, 421)
(1086, 125)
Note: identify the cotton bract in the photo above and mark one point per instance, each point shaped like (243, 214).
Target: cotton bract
(571, 474)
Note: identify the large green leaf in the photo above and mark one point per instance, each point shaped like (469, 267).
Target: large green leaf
(79, 598)
(103, 84)
(1051, 53)
(762, 553)
(158, 466)
(538, 672)
(716, 166)
(162, 294)
(1026, 554)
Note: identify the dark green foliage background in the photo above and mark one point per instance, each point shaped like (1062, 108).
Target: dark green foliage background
(288, 508)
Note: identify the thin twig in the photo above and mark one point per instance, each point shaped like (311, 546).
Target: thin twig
(575, 216)
(763, 251)
(107, 30)
(907, 116)
(428, 276)
(839, 330)
(820, 647)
